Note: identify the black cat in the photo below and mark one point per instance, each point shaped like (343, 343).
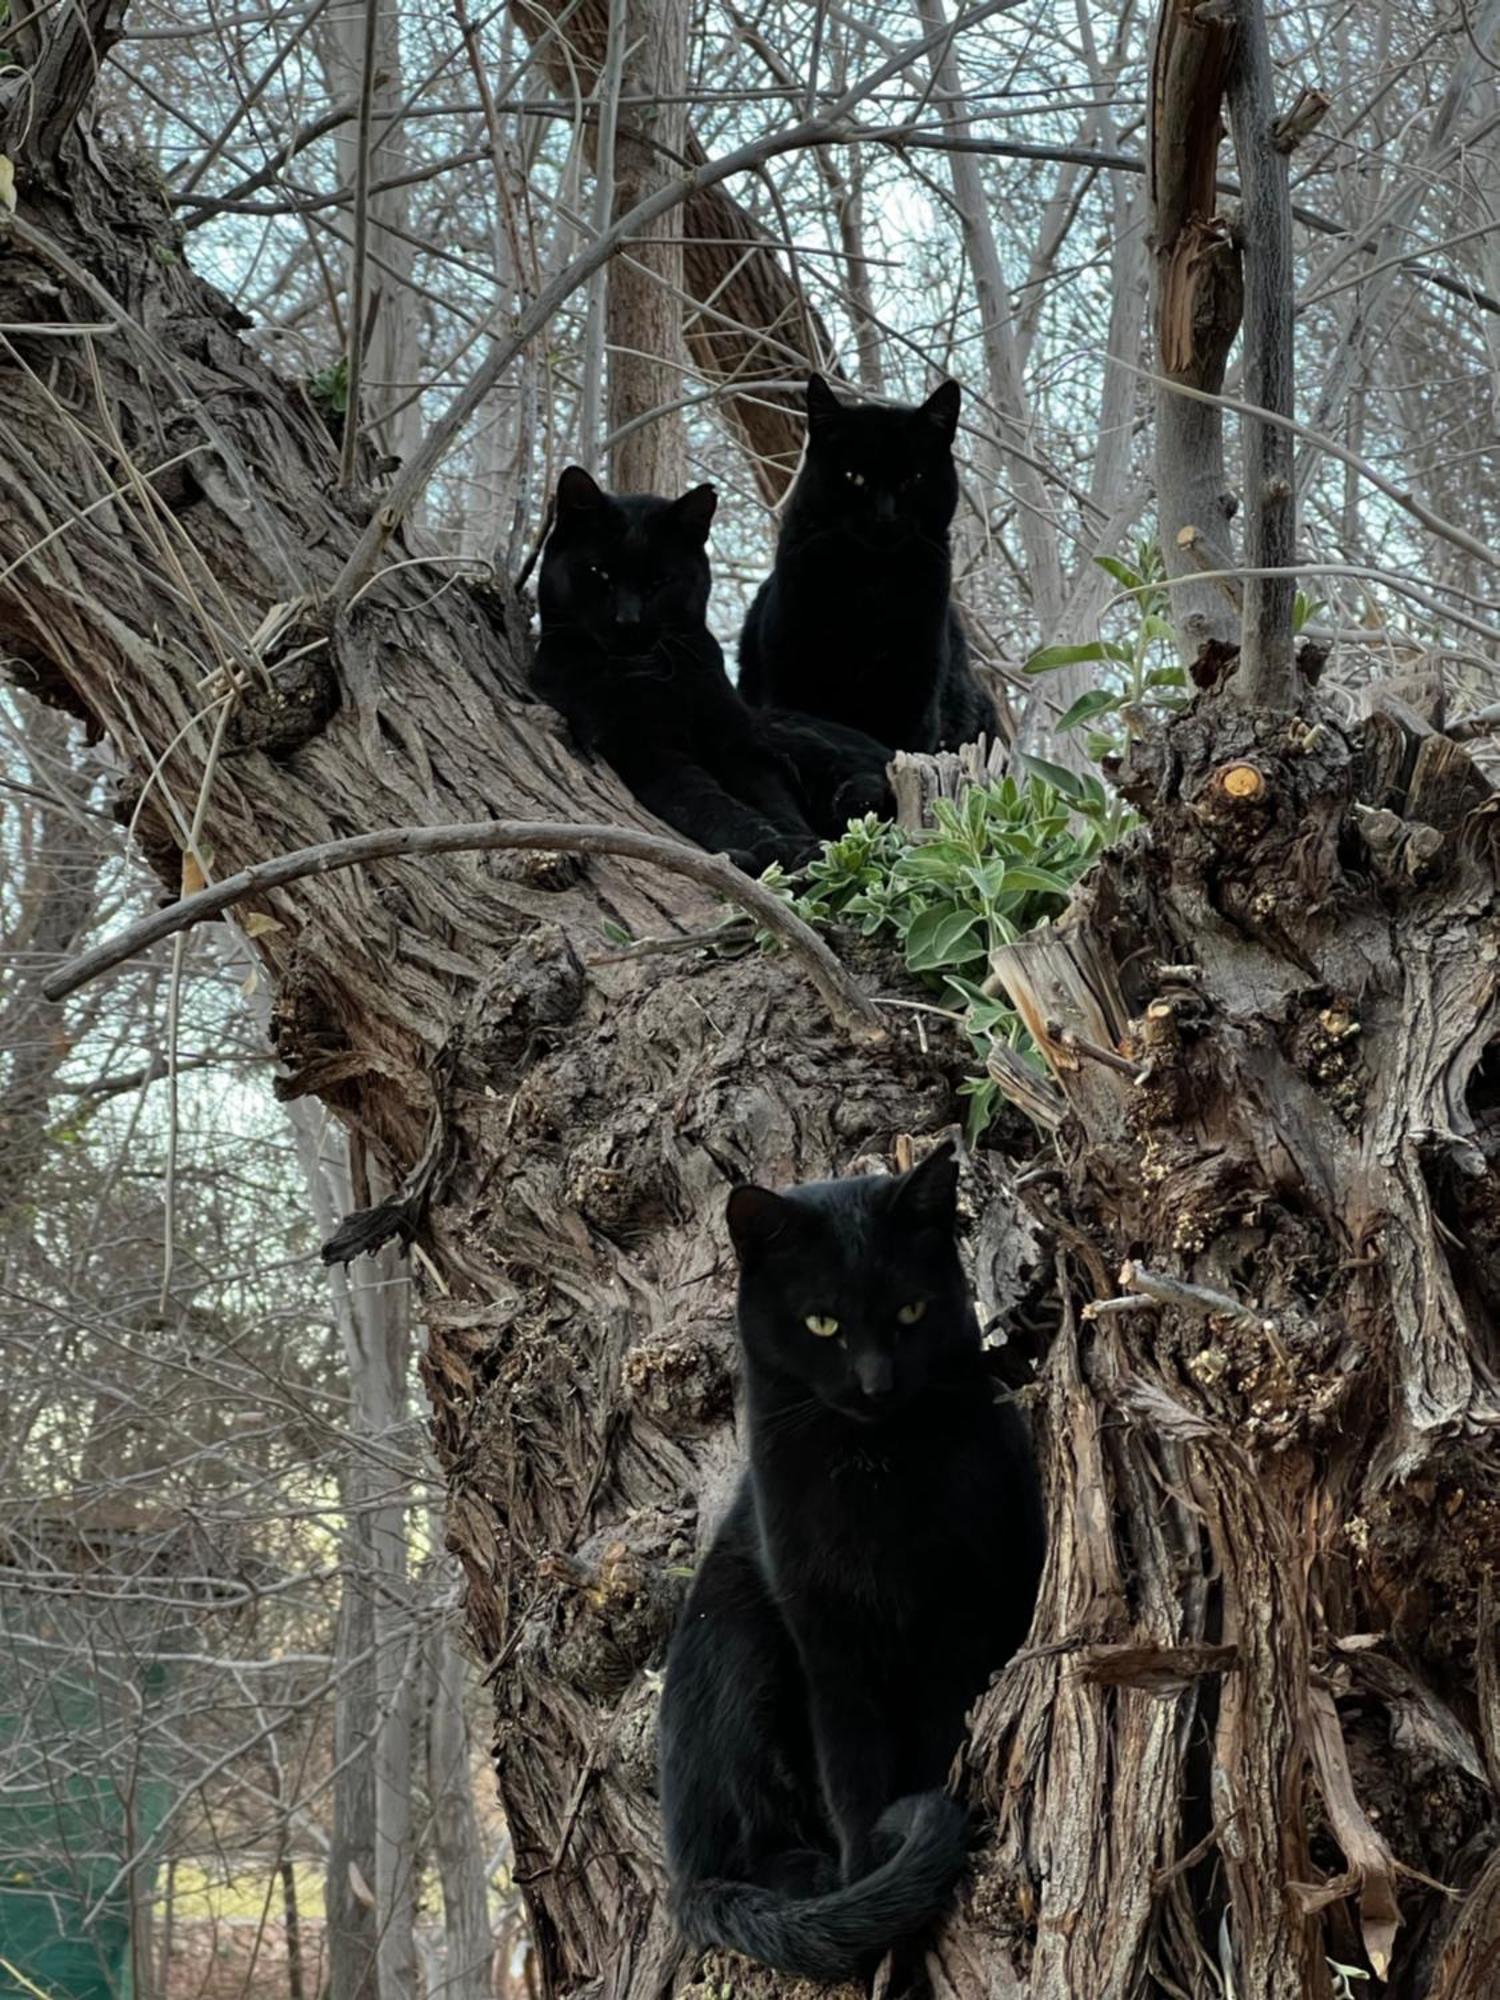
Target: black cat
(626, 655)
(856, 622)
(879, 1562)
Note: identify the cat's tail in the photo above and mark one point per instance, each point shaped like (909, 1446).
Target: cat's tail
(828, 1937)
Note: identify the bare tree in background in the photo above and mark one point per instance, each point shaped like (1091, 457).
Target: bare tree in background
(647, 357)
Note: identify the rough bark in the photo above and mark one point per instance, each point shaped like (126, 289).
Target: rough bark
(1247, 1454)
(1263, 1657)
(752, 324)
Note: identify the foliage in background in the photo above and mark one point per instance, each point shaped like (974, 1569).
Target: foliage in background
(1140, 673)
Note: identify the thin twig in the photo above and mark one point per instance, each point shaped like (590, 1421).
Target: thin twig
(1447, 531)
(359, 253)
(1204, 1301)
(412, 480)
(845, 1001)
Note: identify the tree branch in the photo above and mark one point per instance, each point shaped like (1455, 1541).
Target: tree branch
(412, 480)
(1195, 308)
(847, 1004)
(1267, 671)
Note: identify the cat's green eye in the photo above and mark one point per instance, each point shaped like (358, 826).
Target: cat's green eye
(822, 1324)
(910, 1314)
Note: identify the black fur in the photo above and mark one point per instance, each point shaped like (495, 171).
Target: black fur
(879, 1562)
(856, 622)
(626, 655)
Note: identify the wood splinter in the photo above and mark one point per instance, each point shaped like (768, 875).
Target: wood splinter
(1080, 1045)
(1308, 111)
(1202, 1300)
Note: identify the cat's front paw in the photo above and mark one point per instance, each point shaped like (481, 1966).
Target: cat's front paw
(858, 796)
(793, 851)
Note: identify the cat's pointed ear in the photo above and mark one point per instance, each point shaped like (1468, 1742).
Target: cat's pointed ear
(941, 410)
(928, 1194)
(821, 402)
(577, 492)
(756, 1217)
(694, 512)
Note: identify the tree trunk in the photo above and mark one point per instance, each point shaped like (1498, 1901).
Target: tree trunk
(370, 1886)
(644, 315)
(1262, 1670)
(468, 1942)
(1195, 309)
(382, 295)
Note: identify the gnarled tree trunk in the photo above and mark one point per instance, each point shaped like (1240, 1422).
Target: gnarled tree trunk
(1259, 1712)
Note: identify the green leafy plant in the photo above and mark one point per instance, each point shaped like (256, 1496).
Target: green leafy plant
(1138, 672)
(329, 387)
(998, 862)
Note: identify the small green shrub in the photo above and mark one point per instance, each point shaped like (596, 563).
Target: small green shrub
(998, 862)
(1140, 673)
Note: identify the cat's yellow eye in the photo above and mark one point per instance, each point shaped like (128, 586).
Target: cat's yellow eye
(822, 1324)
(910, 1314)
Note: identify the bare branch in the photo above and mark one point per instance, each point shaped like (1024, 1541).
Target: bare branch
(1267, 672)
(844, 999)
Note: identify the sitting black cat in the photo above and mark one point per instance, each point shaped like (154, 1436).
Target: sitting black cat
(856, 622)
(626, 655)
(879, 1562)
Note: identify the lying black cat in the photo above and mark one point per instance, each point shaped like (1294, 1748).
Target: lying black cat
(856, 622)
(626, 655)
(879, 1562)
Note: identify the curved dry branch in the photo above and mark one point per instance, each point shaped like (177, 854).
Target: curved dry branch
(846, 1003)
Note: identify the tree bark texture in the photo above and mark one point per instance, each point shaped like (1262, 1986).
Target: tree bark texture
(390, 331)
(1258, 1713)
(1267, 668)
(751, 323)
(1196, 302)
(643, 319)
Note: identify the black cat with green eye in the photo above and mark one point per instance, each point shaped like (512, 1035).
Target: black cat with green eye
(878, 1563)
